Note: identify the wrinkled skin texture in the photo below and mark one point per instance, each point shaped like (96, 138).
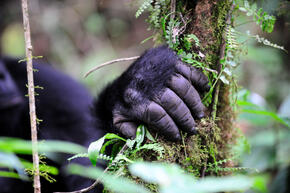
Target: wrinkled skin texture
(158, 90)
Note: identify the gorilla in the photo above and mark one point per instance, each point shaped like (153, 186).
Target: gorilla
(65, 107)
(157, 90)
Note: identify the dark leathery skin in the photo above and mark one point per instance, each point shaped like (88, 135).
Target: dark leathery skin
(157, 90)
(188, 94)
(177, 109)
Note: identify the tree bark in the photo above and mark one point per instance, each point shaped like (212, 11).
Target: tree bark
(209, 151)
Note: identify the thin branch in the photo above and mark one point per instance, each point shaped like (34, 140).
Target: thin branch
(110, 62)
(173, 8)
(32, 111)
(204, 169)
(243, 23)
(219, 68)
(210, 70)
(183, 28)
(124, 148)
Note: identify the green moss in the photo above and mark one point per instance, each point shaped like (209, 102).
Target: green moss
(218, 18)
(194, 152)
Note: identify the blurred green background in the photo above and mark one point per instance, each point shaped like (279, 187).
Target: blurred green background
(75, 35)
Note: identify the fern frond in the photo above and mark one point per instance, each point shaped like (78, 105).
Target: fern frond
(234, 169)
(156, 147)
(145, 5)
(231, 38)
(78, 156)
(172, 33)
(105, 157)
(155, 15)
(268, 43)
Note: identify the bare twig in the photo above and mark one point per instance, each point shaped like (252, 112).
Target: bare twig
(110, 62)
(210, 70)
(221, 56)
(183, 28)
(204, 169)
(124, 148)
(173, 8)
(32, 112)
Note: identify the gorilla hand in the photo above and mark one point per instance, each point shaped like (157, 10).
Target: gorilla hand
(158, 90)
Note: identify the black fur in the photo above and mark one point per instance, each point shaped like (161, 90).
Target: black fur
(148, 75)
(143, 94)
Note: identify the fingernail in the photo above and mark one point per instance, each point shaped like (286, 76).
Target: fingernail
(177, 137)
(201, 115)
(192, 131)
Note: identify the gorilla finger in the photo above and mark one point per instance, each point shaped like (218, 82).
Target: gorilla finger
(179, 112)
(125, 126)
(196, 77)
(157, 117)
(188, 94)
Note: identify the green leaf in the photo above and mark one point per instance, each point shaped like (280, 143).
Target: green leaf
(140, 134)
(24, 146)
(10, 160)
(163, 26)
(78, 156)
(130, 143)
(228, 71)
(267, 113)
(113, 136)
(249, 13)
(9, 174)
(107, 143)
(95, 147)
(259, 12)
(223, 184)
(222, 61)
(159, 173)
(224, 79)
(232, 63)
(149, 136)
(260, 184)
(171, 179)
(242, 9)
(246, 103)
(156, 147)
(114, 184)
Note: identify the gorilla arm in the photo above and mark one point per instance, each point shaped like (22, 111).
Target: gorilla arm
(157, 90)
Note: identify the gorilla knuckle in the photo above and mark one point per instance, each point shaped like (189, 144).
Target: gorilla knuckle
(178, 81)
(169, 99)
(131, 95)
(154, 112)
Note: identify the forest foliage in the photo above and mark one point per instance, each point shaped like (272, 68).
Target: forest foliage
(208, 170)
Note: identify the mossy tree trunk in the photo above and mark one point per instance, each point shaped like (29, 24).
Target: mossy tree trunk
(208, 152)
(212, 17)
